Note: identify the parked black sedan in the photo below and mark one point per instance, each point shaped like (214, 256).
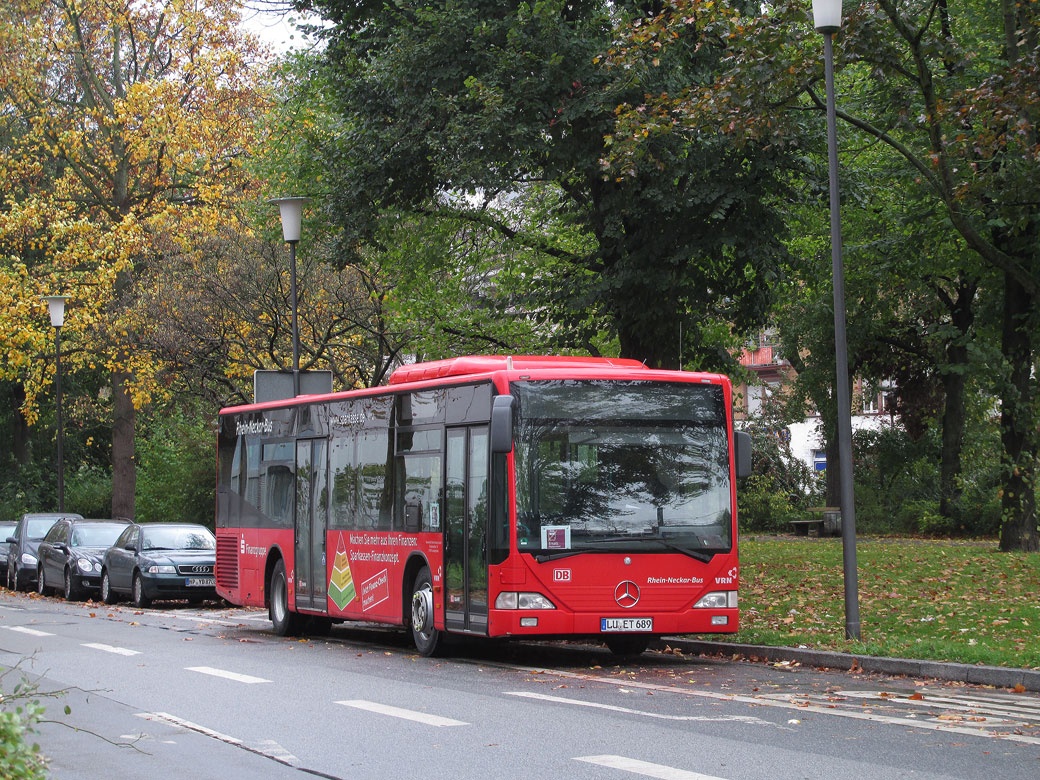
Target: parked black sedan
(70, 555)
(6, 532)
(22, 559)
(154, 561)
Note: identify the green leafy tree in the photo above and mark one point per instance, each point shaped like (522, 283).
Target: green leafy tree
(954, 92)
(454, 109)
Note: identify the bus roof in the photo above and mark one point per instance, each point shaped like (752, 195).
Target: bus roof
(484, 364)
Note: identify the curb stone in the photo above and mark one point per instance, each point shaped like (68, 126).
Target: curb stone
(996, 676)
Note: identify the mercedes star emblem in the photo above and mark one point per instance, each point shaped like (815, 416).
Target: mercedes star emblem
(626, 594)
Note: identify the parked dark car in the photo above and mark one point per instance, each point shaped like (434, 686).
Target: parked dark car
(22, 558)
(6, 532)
(70, 555)
(155, 561)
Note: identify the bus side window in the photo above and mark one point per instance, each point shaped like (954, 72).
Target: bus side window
(344, 473)
(278, 502)
(374, 496)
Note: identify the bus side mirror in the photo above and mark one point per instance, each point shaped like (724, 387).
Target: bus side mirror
(742, 453)
(502, 424)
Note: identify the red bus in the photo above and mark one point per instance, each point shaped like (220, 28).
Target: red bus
(495, 496)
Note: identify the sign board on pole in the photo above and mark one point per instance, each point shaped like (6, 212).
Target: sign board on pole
(278, 385)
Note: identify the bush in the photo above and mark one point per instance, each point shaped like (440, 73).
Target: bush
(20, 711)
(89, 492)
(175, 471)
(763, 505)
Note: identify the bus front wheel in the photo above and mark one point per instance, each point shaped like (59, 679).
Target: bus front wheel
(427, 638)
(285, 623)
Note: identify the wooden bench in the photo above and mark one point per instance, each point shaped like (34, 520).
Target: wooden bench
(801, 527)
(828, 522)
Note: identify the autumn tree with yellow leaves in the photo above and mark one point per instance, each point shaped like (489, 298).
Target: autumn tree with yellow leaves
(123, 126)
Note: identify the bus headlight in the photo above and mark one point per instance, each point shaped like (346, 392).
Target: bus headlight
(513, 600)
(720, 599)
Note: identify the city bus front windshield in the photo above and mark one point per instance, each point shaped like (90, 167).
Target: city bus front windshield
(622, 466)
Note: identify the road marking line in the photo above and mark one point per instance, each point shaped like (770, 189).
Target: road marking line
(397, 712)
(613, 708)
(267, 748)
(30, 631)
(1023, 709)
(204, 620)
(110, 648)
(645, 768)
(802, 706)
(242, 678)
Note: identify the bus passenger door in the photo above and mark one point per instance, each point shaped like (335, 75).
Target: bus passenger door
(311, 522)
(466, 523)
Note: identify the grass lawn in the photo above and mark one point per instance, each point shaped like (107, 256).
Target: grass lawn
(938, 600)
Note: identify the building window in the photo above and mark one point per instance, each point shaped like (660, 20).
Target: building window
(819, 460)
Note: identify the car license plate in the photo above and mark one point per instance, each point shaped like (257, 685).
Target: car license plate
(626, 624)
(200, 582)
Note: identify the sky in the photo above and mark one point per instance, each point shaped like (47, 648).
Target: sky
(274, 27)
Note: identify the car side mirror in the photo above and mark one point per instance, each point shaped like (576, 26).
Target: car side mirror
(63, 547)
(502, 424)
(131, 548)
(12, 540)
(742, 453)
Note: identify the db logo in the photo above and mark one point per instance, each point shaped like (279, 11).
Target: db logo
(561, 575)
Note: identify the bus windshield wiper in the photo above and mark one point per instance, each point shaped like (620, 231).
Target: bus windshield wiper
(552, 556)
(699, 555)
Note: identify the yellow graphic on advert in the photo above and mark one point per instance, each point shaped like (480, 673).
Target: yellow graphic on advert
(341, 583)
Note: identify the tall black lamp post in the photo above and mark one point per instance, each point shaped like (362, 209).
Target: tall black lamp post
(292, 215)
(56, 307)
(827, 20)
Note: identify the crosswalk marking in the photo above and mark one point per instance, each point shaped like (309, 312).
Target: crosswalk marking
(110, 648)
(645, 768)
(643, 713)
(242, 678)
(397, 712)
(30, 631)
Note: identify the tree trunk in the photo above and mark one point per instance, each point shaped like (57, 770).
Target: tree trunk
(954, 379)
(1018, 429)
(19, 428)
(124, 466)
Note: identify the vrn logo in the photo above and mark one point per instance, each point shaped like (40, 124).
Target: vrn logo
(561, 575)
(729, 579)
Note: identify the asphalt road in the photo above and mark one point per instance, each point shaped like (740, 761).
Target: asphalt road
(212, 693)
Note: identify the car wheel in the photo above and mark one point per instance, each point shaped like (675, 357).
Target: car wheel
(427, 638)
(285, 623)
(72, 591)
(140, 600)
(107, 594)
(41, 585)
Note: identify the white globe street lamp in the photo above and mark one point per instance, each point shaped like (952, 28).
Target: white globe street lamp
(291, 211)
(56, 308)
(827, 20)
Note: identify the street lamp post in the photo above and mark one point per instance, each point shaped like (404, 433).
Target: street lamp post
(56, 307)
(291, 210)
(827, 20)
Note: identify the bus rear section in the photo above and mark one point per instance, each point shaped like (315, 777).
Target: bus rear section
(489, 496)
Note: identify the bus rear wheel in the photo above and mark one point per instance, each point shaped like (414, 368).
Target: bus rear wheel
(285, 622)
(427, 638)
(626, 646)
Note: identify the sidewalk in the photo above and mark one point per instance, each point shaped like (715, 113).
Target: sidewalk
(996, 676)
